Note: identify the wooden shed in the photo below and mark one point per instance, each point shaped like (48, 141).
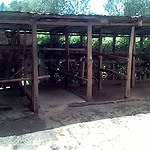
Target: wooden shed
(18, 41)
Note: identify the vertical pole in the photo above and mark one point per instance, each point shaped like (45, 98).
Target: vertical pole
(129, 64)
(100, 65)
(141, 43)
(67, 57)
(89, 63)
(51, 40)
(133, 62)
(81, 40)
(113, 50)
(114, 43)
(141, 49)
(34, 69)
(24, 59)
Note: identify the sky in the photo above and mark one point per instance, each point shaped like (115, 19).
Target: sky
(96, 5)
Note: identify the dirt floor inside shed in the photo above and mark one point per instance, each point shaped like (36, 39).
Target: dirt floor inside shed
(53, 99)
(115, 126)
(112, 92)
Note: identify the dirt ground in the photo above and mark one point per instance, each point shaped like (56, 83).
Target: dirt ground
(115, 91)
(118, 126)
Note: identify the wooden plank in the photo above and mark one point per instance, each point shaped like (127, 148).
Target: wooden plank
(100, 61)
(10, 47)
(34, 69)
(67, 57)
(112, 72)
(129, 64)
(81, 40)
(24, 65)
(82, 104)
(141, 42)
(82, 67)
(133, 62)
(84, 24)
(22, 79)
(14, 80)
(89, 63)
(111, 56)
(61, 49)
(113, 50)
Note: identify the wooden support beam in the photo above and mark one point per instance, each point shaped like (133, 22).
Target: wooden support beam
(81, 40)
(100, 61)
(23, 79)
(34, 69)
(141, 42)
(114, 43)
(133, 62)
(113, 50)
(62, 49)
(51, 40)
(82, 67)
(8, 47)
(24, 65)
(112, 72)
(111, 56)
(67, 57)
(89, 63)
(129, 64)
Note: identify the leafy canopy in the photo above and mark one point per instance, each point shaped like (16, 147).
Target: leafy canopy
(128, 7)
(49, 6)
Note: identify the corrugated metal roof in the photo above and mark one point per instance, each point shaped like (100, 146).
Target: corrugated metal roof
(110, 24)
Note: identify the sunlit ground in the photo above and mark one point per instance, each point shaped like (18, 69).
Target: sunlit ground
(122, 133)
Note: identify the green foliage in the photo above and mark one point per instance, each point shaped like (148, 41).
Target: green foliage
(121, 43)
(128, 7)
(3, 7)
(43, 39)
(107, 44)
(137, 8)
(115, 7)
(51, 6)
(146, 44)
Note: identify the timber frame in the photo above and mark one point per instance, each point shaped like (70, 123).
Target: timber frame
(82, 25)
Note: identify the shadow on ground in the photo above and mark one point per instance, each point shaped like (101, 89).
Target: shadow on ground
(67, 116)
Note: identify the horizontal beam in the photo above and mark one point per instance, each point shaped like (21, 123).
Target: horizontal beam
(68, 23)
(7, 47)
(23, 79)
(112, 72)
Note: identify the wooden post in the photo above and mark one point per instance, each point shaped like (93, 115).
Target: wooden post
(133, 62)
(114, 43)
(113, 50)
(141, 50)
(51, 40)
(81, 40)
(129, 64)
(23, 57)
(34, 69)
(89, 63)
(141, 43)
(67, 57)
(100, 65)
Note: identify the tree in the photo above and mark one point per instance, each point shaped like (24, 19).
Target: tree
(137, 8)
(51, 6)
(128, 7)
(3, 7)
(115, 7)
